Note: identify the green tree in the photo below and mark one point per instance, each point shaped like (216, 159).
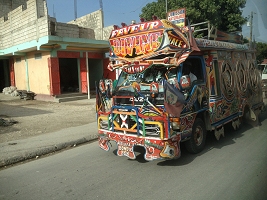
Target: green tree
(226, 15)
(261, 51)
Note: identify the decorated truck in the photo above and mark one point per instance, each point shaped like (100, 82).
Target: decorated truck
(156, 103)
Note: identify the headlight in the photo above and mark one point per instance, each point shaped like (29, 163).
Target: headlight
(103, 124)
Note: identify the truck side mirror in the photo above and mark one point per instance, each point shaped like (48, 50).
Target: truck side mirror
(185, 82)
(106, 86)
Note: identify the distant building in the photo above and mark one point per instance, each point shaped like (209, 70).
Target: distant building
(51, 58)
(264, 62)
(263, 68)
(263, 65)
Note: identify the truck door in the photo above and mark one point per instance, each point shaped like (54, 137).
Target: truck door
(196, 66)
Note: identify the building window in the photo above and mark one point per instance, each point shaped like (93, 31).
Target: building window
(38, 56)
(24, 6)
(5, 18)
(53, 28)
(18, 60)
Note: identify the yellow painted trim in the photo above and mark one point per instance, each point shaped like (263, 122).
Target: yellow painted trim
(125, 129)
(134, 126)
(116, 124)
(101, 117)
(88, 49)
(124, 113)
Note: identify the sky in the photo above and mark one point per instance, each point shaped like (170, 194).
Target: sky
(115, 11)
(259, 23)
(118, 11)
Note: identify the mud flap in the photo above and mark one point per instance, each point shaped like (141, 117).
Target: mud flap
(236, 123)
(219, 132)
(104, 144)
(170, 151)
(253, 117)
(126, 149)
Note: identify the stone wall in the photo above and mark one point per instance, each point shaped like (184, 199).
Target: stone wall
(106, 32)
(93, 21)
(25, 21)
(69, 30)
(9, 5)
(86, 33)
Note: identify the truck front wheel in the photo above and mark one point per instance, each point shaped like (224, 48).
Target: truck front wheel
(198, 138)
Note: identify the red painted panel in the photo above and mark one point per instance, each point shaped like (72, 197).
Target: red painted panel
(84, 88)
(95, 55)
(12, 72)
(68, 54)
(54, 76)
(83, 75)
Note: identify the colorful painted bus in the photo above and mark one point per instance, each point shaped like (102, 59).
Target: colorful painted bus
(156, 103)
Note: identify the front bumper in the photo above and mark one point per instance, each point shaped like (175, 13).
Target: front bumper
(155, 148)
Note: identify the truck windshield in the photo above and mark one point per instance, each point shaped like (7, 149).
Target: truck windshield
(155, 73)
(264, 70)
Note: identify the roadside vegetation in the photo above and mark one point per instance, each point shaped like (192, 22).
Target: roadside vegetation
(224, 15)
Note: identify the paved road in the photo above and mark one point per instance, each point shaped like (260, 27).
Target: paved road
(232, 168)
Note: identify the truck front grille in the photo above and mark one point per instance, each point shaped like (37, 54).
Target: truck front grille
(127, 121)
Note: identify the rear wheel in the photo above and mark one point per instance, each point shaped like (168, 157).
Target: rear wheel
(245, 118)
(198, 138)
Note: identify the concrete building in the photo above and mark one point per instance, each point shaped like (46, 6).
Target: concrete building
(47, 57)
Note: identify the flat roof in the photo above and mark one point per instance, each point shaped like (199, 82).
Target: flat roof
(49, 43)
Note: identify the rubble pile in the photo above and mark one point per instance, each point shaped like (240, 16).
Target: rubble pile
(7, 122)
(11, 90)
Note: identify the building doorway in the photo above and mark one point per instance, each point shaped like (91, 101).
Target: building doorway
(4, 74)
(95, 73)
(69, 75)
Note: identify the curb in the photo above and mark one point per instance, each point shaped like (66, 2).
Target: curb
(35, 153)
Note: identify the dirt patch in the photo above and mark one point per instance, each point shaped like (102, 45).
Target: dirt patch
(22, 119)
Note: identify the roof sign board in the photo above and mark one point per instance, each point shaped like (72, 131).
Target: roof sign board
(177, 17)
(140, 40)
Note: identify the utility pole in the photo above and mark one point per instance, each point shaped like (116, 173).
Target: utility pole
(101, 4)
(166, 5)
(102, 15)
(251, 25)
(54, 14)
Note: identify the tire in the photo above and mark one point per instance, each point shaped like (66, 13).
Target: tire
(198, 138)
(245, 117)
